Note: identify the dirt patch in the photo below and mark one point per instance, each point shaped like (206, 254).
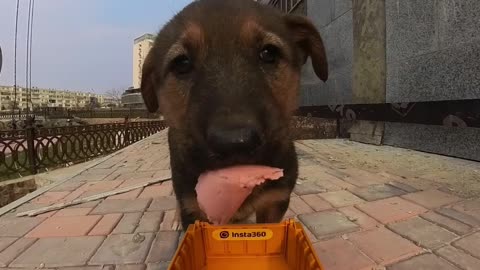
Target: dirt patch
(461, 177)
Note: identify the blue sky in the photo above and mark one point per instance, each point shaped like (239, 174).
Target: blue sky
(81, 45)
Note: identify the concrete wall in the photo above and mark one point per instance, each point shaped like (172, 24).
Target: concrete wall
(433, 50)
(393, 51)
(433, 53)
(333, 18)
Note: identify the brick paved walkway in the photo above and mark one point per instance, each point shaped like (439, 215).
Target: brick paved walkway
(357, 219)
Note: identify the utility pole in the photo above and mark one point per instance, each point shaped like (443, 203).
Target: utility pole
(1, 59)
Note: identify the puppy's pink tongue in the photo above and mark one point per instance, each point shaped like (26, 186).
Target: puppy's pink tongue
(220, 193)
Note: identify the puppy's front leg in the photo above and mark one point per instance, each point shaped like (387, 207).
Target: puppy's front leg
(273, 212)
(190, 211)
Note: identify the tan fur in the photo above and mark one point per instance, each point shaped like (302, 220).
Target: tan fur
(173, 101)
(258, 201)
(285, 88)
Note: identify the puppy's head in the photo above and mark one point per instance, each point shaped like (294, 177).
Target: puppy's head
(226, 74)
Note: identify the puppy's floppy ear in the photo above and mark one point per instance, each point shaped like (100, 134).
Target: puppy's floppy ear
(148, 84)
(307, 38)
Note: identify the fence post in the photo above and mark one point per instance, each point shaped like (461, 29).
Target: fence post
(30, 134)
(127, 131)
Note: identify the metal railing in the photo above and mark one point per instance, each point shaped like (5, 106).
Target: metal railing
(286, 6)
(55, 113)
(32, 150)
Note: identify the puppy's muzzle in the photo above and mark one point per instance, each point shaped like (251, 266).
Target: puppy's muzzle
(231, 141)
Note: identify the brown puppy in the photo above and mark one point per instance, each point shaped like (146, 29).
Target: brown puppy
(226, 74)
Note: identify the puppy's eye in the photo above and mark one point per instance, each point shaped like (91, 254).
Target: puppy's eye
(269, 54)
(181, 65)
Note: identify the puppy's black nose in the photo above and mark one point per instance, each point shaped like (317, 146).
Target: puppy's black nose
(232, 141)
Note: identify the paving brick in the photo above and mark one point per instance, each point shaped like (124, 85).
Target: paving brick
(343, 185)
(48, 214)
(58, 252)
(128, 223)
(158, 266)
(359, 217)
(123, 249)
(64, 226)
(470, 244)
(130, 267)
(91, 204)
(51, 197)
(150, 222)
(131, 195)
(121, 206)
(163, 204)
(6, 241)
(289, 214)
(98, 172)
(318, 176)
(431, 198)
(423, 262)
(9, 254)
(448, 223)
(27, 207)
(17, 227)
(72, 212)
(106, 224)
(103, 186)
(377, 192)
(330, 182)
(162, 174)
(341, 198)
(469, 207)
(316, 202)
(69, 186)
(144, 176)
(332, 254)
(403, 186)
(74, 195)
(423, 233)
(361, 178)
(163, 247)
(383, 246)
(460, 216)
(169, 221)
(83, 268)
(391, 209)
(305, 188)
(458, 258)
(308, 233)
(156, 191)
(327, 223)
(298, 206)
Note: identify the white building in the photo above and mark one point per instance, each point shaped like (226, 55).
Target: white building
(48, 98)
(141, 47)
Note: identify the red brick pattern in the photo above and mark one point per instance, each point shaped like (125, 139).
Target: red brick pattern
(431, 198)
(356, 219)
(64, 226)
(333, 254)
(384, 246)
(391, 209)
(106, 224)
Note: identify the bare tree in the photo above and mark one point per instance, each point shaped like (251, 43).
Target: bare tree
(115, 97)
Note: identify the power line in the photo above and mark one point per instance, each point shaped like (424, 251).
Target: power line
(31, 46)
(15, 61)
(28, 56)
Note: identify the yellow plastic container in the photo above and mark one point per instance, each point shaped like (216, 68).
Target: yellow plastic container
(283, 246)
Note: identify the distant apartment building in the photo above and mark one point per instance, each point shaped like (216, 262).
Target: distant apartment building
(141, 47)
(49, 98)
